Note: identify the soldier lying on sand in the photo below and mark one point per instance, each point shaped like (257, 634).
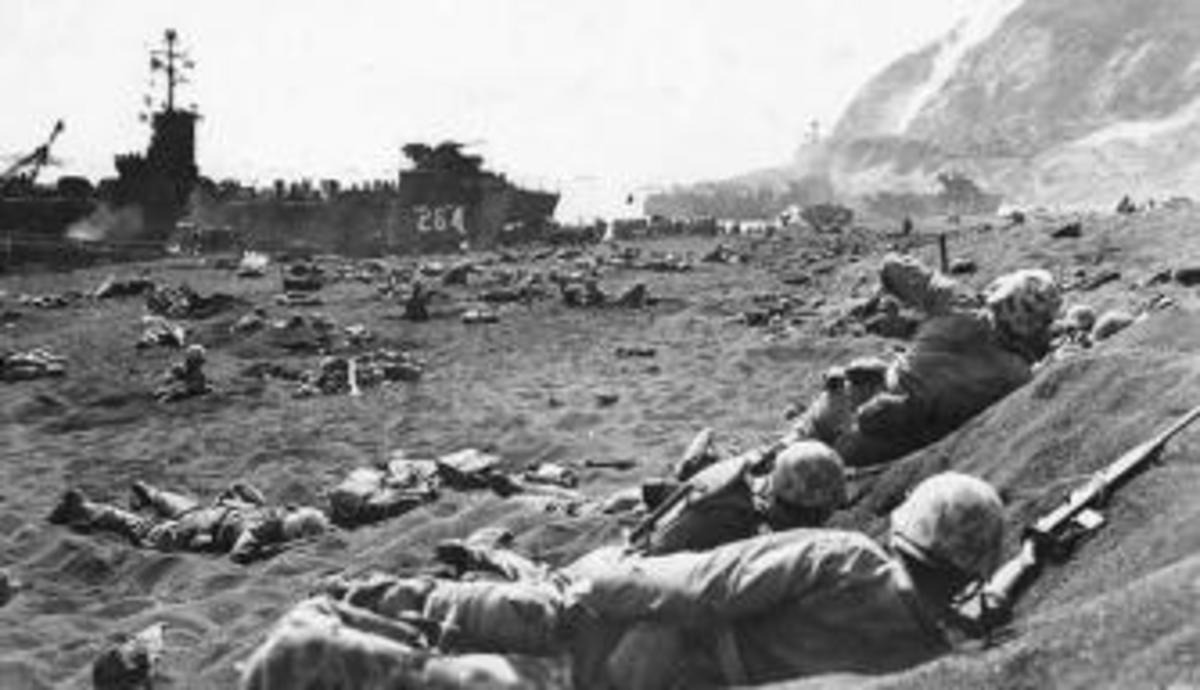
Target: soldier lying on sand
(238, 522)
(372, 494)
(34, 364)
(804, 486)
(971, 351)
(790, 604)
(734, 498)
(185, 379)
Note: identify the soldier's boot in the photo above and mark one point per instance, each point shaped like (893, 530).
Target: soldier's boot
(392, 503)
(463, 557)
(387, 595)
(71, 509)
(831, 412)
(488, 551)
(246, 493)
(165, 503)
(76, 511)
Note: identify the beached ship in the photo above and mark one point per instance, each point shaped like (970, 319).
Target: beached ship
(449, 198)
(138, 209)
(445, 201)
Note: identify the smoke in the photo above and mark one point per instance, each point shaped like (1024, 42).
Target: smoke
(108, 224)
(969, 34)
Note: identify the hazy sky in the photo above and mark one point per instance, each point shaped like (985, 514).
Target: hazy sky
(594, 98)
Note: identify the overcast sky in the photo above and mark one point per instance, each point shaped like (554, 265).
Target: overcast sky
(594, 98)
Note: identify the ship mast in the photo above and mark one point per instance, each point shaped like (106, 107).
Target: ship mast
(172, 60)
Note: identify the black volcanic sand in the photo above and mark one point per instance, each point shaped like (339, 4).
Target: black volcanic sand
(1119, 613)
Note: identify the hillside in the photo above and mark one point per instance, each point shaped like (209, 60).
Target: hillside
(1055, 103)
(1051, 102)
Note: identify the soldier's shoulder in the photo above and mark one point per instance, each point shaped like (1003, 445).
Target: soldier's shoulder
(847, 536)
(844, 543)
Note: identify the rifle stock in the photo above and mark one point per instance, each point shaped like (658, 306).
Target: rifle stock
(1008, 581)
(1057, 528)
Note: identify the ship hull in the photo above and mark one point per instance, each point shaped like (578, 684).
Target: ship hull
(421, 215)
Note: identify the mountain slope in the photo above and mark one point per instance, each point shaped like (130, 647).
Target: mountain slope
(1057, 102)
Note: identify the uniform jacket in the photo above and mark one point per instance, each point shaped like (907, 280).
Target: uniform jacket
(957, 365)
(783, 605)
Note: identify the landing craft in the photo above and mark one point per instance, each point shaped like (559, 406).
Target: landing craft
(140, 206)
(33, 216)
(446, 201)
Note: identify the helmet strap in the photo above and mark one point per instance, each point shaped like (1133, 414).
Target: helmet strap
(956, 578)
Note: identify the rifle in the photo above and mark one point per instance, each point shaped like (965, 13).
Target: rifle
(753, 460)
(642, 530)
(1056, 532)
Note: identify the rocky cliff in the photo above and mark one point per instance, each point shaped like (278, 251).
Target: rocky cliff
(1054, 102)
(1058, 103)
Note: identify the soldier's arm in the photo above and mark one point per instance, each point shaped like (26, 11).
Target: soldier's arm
(260, 537)
(245, 549)
(890, 414)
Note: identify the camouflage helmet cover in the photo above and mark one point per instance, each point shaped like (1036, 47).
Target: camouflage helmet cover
(303, 522)
(809, 474)
(951, 518)
(1024, 303)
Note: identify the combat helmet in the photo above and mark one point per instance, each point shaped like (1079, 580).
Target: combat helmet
(304, 522)
(195, 353)
(808, 482)
(1023, 305)
(951, 520)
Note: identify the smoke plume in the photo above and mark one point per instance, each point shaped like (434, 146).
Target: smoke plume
(108, 224)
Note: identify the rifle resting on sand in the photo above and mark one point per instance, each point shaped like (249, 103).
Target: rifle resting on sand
(1056, 532)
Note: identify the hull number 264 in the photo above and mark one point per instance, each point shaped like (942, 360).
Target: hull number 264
(441, 218)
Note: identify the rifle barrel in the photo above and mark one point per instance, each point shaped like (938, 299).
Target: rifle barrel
(1105, 480)
(1137, 455)
(1002, 588)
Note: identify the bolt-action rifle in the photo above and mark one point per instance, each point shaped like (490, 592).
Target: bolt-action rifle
(1055, 533)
